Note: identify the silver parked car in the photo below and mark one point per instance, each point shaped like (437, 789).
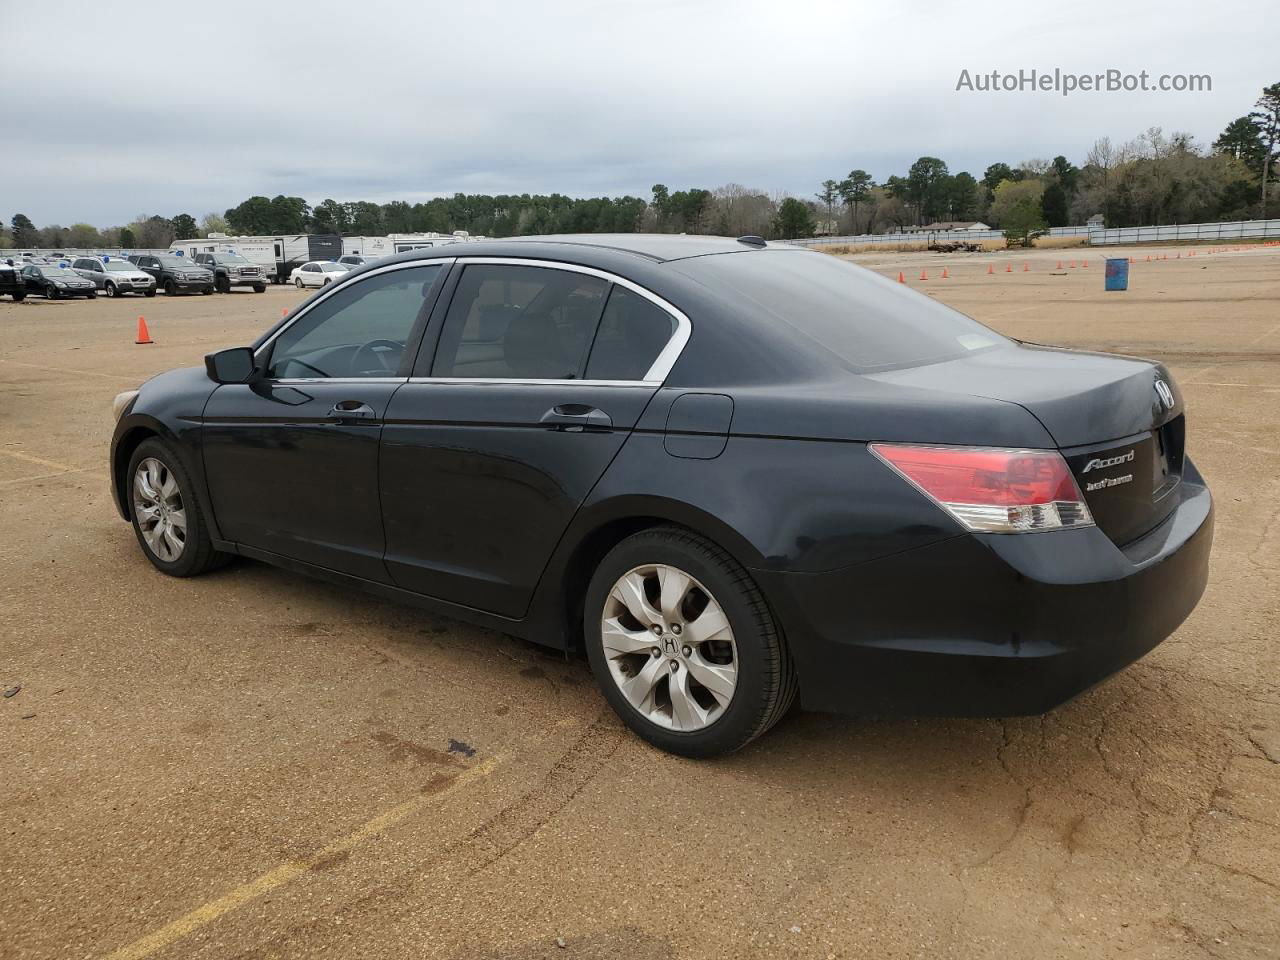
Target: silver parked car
(115, 277)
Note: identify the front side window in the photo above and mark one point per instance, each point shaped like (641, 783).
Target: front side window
(360, 331)
(516, 322)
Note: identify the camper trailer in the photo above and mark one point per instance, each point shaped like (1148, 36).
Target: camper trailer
(280, 255)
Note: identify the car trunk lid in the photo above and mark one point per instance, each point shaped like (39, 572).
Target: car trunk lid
(1118, 421)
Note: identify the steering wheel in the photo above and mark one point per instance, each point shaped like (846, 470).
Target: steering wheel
(379, 350)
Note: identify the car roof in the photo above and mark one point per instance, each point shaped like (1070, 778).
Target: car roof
(590, 248)
(654, 246)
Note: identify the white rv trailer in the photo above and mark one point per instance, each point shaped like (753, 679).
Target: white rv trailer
(373, 247)
(278, 254)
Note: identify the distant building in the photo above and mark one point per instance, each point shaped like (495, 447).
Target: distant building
(944, 226)
(1097, 220)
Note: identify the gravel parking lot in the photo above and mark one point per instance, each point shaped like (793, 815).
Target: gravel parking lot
(252, 764)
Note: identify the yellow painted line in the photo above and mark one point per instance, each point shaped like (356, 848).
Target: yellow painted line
(46, 476)
(80, 373)
(61, 467)
(287, 872)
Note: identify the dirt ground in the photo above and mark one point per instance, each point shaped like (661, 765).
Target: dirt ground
(254, 765)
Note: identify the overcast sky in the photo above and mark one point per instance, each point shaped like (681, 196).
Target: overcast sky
(192, 107)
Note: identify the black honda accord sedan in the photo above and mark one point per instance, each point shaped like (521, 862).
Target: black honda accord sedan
(730, 471)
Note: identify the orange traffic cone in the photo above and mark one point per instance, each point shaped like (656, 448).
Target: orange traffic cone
(1008, 268)
(1026, 267)
(1085, 264)
(901, 278)
(1073, 264)
(143, 335)
(990, 269)
(284, 311)
(1148, 258)
(1059, 264)
(944, 273)
(1131, 259)
(924, 274)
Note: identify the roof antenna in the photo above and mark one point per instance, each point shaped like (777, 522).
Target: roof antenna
(752, 241)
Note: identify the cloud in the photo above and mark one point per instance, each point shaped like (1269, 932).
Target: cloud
(406, 100)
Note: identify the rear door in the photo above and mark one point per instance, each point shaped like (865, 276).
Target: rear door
(505, 427)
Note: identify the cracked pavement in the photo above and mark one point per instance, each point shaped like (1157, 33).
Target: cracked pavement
(255, 765)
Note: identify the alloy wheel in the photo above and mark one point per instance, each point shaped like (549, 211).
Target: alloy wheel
(159, 509)
(669, 647)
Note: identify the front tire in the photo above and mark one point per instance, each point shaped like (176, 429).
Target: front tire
(170, 289)
(223, 285)
(51, 293)
(298, 283)
(151, 292)
(259, 288)
(111, 291)
(721, 675)
(166, 516)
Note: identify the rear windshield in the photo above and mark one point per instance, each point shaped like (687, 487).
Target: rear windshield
(867, 321)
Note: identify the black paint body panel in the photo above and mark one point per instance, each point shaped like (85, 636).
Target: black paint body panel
(460, 497)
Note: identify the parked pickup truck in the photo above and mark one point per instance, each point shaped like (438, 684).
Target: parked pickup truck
(232, 270)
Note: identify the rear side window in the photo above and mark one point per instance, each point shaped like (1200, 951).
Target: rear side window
(867, 321)
(514, 322)
(632, 333)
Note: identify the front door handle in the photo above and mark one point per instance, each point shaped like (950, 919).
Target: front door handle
(576, 417)
(352, 410)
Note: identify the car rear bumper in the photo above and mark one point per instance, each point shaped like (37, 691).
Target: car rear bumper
(992, 625)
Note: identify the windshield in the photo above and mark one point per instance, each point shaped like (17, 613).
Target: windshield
(231, 258)
(119, 266)
(867, 321)
(168, 261)
(333, 267)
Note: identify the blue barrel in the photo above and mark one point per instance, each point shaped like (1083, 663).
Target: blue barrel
(1118, 273)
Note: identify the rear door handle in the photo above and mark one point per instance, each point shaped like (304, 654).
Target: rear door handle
(576, 417)
(352, 410)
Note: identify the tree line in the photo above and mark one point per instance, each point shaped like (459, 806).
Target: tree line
(1153, 179)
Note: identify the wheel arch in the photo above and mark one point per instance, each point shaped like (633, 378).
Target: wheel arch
(602, 527)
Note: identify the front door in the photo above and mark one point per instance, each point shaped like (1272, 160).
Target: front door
(493, 445)
(292, 460)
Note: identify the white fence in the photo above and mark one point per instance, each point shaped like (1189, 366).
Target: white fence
(929, 236)
(1235, 230)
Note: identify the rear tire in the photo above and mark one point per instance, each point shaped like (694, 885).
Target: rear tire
(166, 516)
(20, 296)
(739, 650)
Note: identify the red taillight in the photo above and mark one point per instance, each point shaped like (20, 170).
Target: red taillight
(992, 490)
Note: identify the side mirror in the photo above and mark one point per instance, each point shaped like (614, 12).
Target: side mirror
(235, 365)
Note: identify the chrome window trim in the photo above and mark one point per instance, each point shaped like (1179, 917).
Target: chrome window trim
(509, 381)
(662, 364)
(293, 381)
(326, 294)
